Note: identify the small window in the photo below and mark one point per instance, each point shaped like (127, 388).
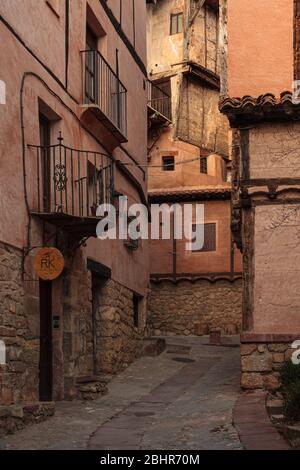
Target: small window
(168, 163)
(203, 165)
(136, 310)
(91, 67)
(176, 23)
(210, 238)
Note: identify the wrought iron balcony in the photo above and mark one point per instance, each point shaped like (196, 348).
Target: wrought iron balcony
(105, 94)
(159, 105)
(69, 186)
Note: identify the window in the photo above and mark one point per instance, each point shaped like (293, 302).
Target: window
(168, 163)
(91, 66)
(176, 23)
(136, 310)
(210, 238)
(203, 165)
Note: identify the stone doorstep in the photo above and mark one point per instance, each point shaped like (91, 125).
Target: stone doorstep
(91, 387)
(275, 406)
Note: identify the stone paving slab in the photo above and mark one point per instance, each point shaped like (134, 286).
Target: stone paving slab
(253, 424)
(157, 403)
(133, 426)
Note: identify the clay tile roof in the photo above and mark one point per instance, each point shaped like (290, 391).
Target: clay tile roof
(267, 107)
(213, 192)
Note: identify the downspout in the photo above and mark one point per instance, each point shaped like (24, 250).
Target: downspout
(174, 249)
(67, 42)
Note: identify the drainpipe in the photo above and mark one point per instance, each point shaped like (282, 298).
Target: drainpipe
(174, 250)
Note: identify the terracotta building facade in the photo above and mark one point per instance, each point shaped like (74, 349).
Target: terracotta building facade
(73, 133)
(191, 291)
(257, 86)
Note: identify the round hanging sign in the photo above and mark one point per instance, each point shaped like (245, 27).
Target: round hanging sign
(49, 263)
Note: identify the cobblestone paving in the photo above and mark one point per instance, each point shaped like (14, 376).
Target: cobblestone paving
(182, 399)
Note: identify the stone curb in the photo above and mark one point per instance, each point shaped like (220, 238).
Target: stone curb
(252, 422)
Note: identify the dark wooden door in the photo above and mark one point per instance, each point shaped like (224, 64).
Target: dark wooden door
(45, 387)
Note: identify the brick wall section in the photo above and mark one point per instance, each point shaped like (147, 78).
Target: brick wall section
(175, 309)
(260, 364)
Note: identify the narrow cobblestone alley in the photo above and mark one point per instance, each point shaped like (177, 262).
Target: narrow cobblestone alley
(182, 399)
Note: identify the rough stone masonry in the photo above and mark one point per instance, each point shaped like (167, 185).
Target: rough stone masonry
(189, 307)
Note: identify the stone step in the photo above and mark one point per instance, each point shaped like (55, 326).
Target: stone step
(275, 406)
(91, 387)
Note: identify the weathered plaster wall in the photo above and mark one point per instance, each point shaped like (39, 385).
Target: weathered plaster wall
(164, 49)
(187, 175)
(274, 151)
(263, 63)
(198, 45)
(276, 279)
(14, 62)
(218, 261)
(186, 307)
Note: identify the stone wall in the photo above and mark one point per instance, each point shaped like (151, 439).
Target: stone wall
(119, 342)
(99, 336)
(19, 377)
(260, 364)
(77, 341)
(188, 307)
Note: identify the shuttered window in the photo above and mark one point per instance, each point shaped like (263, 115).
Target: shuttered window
(210, 238)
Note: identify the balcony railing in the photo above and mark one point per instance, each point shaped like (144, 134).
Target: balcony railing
(103, 88)
(159, 100)
(69, 181)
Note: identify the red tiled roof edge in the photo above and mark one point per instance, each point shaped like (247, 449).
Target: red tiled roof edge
(265, 107)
